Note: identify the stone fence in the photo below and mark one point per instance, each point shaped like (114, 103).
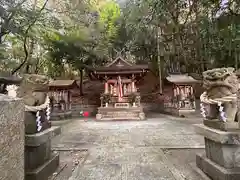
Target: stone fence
(11, 138)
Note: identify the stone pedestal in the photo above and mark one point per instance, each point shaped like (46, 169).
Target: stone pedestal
(12, 138)
(221, 160)
(40, 162)
(223, 126)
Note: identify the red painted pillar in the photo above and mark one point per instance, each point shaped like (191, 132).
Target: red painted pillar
(106, 88)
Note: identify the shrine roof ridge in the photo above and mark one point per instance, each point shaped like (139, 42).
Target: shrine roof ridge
(121, 65)
(117, 59)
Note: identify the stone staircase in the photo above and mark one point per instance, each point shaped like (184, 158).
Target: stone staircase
(111, 113)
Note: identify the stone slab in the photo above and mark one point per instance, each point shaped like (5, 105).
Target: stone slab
(120, 119)
(42, 137)
(46, 170)
(224, 126)
(216, 135)
(11, 138)
(98, 172)
(215, 171)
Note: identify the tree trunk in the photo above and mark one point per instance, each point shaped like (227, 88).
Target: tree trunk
(29, 58)
(2, 34)
(159, 60)
(26, 55)
(81, 82)
(1, 37)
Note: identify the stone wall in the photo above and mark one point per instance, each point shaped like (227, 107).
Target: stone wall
(11, 138)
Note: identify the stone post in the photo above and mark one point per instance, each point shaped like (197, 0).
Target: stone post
(12, 138)
(221, 160)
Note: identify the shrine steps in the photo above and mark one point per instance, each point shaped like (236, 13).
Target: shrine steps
(116, 114)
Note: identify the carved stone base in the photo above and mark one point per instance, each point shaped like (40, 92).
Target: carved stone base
(223, 126)
(111, 113)
(222, 159)
(215, 171)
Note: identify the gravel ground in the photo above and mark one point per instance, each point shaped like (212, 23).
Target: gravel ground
(69, 160)
(161, 148)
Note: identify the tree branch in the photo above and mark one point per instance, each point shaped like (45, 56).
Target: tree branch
(190, 10)
(25, 39)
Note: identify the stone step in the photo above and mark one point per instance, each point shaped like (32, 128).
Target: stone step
(79, 106)
(119, 118)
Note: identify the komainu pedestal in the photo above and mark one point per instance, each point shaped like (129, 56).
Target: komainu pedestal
(221, 160)
(40, 162)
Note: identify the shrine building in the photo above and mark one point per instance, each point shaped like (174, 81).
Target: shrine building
(180, 99)
(120, 99)
(61, 98)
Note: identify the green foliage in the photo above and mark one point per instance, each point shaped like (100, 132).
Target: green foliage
(197, 34)
(109, 14)
(46, 38)
(74, 34)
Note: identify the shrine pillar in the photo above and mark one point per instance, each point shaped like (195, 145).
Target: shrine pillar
(106, 88)
(133, 87)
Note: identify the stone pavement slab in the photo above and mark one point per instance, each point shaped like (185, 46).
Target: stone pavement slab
(131, 150)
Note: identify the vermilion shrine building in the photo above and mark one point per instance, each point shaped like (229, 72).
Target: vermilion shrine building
(120, 99)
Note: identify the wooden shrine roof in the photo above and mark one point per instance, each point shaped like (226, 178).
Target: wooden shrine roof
(62, 84)
(119, 65)
(181, 79)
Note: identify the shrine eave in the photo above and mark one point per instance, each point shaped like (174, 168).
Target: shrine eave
(182, 79)
(118, 72)
(62, 84)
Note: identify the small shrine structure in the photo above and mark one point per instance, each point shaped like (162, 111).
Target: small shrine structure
(120, 99)
(61, 98)
(180, 100)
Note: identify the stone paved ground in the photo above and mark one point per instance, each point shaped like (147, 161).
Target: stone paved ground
(161, 148)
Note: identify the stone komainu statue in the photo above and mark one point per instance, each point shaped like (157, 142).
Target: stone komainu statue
(219, 101)
(33, 89)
